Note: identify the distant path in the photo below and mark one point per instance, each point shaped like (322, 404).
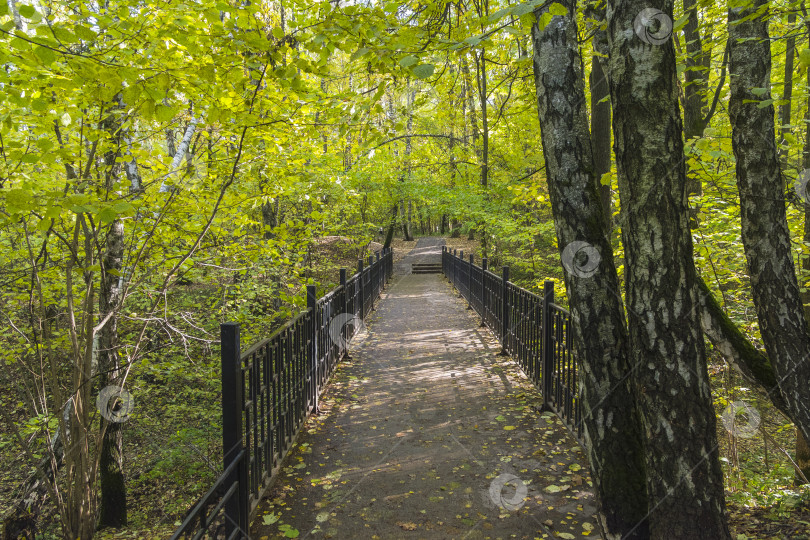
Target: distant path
(418, 429)
(428, 249)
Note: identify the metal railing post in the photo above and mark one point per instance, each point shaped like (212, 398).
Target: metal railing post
(380, 280)
(345, 291)
(460, 285)
(236, 509)
(314, 379)
(548, 345)
(371, 281)
(483, 292)
(362, 312)
(505, 311)
(444, 262)
(344, 332)
(470, 288)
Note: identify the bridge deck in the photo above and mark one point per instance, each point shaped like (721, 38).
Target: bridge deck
(428, 433)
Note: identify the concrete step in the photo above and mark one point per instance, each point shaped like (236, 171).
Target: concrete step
(426, 268)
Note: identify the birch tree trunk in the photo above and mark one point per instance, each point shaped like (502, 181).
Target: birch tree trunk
(684, 479)
(112, 510)
(611, 424)
(406, 214)
(600, 110)
(787, 93)
(185, 143)
(765, 233)
(802, 447)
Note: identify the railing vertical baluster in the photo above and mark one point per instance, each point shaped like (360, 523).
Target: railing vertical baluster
(505, 311)
(548, 347)
(236, 509)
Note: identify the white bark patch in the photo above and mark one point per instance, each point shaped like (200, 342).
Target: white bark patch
(600, 424)
(685, 372)
(667, 427)
(686, 474)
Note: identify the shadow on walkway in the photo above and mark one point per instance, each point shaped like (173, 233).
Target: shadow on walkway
(427, 433)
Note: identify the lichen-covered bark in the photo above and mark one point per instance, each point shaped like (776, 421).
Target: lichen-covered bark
(765, 233)
(684, 479)
(611, 426)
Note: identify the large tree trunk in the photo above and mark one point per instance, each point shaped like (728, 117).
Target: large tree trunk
(406, 223)
(684, 478)
(787, 93)
(802, 448)
(611, 425)
(406, 214)
(695, 80)
(389, 235)
(695, 86)
(481, 78)
(765, 233)
(600, 109)
(483, 96)
(112, 511)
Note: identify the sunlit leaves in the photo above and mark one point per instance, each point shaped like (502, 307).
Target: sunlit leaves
(423, 71)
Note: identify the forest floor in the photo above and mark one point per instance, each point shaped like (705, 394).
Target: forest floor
(427, 432)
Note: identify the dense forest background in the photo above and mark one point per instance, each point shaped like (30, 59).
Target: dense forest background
(167, 166)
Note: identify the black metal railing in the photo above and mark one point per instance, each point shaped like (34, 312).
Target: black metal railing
(269, 390)
(518, 317)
